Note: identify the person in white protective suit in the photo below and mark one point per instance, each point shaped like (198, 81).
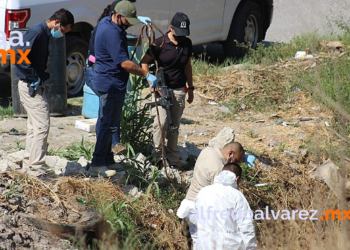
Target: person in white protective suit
(208, 165)
(224, 218)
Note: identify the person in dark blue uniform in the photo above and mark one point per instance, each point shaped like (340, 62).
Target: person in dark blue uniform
(32, 77)
(112, 68)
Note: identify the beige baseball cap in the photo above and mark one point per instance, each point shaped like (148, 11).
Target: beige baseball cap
(128, 10)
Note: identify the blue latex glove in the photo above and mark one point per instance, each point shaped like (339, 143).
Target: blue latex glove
(249, 160)
(36, 84)
(144, 19)
(153, 80)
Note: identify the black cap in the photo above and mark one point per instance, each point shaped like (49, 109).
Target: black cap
(181, 24)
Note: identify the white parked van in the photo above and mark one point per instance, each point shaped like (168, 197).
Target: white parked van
(221, 21)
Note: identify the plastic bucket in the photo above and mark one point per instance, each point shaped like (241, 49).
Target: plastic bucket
(91, 100)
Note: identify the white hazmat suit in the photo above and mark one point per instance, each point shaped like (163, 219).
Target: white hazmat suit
(224, 217)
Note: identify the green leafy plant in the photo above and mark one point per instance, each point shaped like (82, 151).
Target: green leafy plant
(155, 173)
(14, 187)
(18, 144)
(135, 122)
(76, 150)
(115, 219)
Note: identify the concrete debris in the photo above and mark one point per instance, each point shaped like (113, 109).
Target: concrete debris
(226, 135)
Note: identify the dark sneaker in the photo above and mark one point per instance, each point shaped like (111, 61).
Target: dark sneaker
(119, 149)
(117, 167)
(101, 171)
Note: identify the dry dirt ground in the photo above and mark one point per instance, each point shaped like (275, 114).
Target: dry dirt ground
(271, 136)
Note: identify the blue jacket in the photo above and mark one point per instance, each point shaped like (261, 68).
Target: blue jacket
(38, 37)
(111, 49)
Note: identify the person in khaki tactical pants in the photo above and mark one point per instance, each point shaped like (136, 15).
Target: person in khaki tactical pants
(31, 87)
(175, 57)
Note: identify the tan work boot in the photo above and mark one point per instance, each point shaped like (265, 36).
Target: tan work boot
(119, 149)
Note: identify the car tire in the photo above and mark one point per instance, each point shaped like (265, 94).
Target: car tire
(76, 52)
(246, 27)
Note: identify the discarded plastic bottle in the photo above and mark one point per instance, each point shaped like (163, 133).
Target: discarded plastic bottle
(81, 200)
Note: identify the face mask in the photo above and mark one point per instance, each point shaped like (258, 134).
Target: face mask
(122, 25)
(57, 33)
(179, 38)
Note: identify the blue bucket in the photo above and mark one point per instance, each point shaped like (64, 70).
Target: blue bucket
(91, 100)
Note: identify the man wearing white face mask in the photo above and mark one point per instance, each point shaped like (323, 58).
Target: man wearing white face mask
(32, 77)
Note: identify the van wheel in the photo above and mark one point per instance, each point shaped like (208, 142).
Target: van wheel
(76, 52)
(246, 29)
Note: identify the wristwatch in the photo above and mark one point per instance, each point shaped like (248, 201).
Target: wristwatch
(191, 88)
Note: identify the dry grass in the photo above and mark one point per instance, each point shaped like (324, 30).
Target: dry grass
(155, 226)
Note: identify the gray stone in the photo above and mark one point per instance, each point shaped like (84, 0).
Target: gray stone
(188, 175)
(303, 152)
(226, 135)
(168, 172)
(140, 158)
(225, 109)
(83, 162)
(119, 178)
(74, 168)
(17, 239)
(7, 165)
(264, 166)
(191, 149)
(64, 167)
(3, 154)
(131, 190)
(16, 157)
(119, 158)
(73, 217)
